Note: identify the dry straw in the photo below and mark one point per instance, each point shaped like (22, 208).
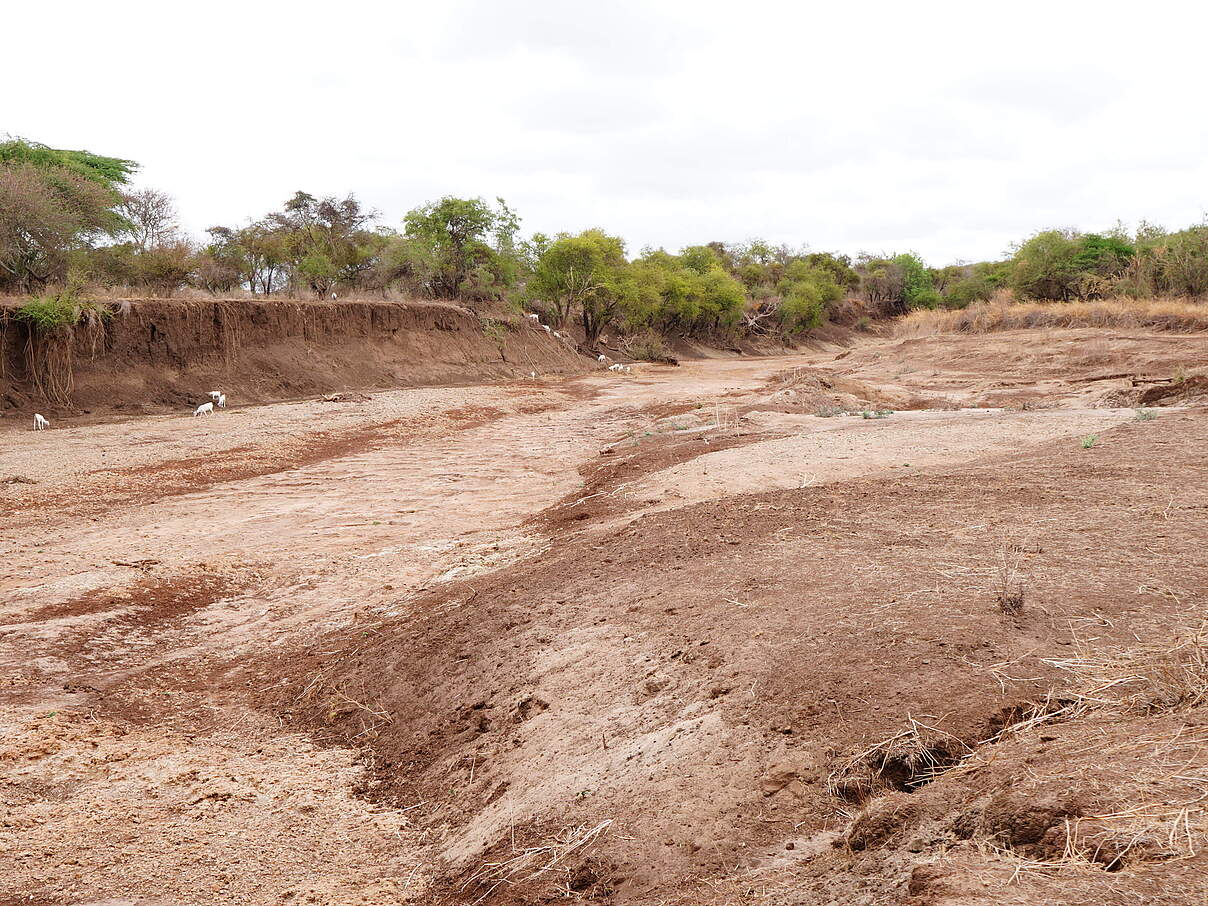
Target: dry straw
(1003, 313)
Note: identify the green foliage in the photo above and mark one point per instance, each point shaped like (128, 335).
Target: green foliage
(46, 218)
(51, 313)
(806, 292)
(108, 172)
(899, 284)
(689, 292)
(1174, 264)
(587, 273)
(961, 285)
(459, 248)
(1145, 415)
(918, 290)
(1089, 441)
(1062, 265)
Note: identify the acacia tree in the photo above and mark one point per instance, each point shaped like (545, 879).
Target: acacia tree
(53, 203)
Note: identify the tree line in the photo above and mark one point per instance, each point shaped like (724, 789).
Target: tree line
(71, 218)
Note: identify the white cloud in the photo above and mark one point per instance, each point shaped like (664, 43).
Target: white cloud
(950, 128)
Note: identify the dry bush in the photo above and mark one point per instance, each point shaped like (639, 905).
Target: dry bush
(649, 346)
(1003, 313)
(1150, 678)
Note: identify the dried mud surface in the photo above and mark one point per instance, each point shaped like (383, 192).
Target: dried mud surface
(661, 638)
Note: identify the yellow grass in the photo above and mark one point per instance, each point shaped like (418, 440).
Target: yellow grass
(1001, 313)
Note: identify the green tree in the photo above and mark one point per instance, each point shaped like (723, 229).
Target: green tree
(918, 289)
(587, 274)
(108, 172)
(1043, 266)
(328, 241)
(806, 293)
(962, 284)
(460, 248)
(54, 204)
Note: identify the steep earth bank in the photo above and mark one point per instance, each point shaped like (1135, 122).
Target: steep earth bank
(152, 354)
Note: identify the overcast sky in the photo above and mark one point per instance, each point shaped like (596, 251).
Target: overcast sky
(952, 129)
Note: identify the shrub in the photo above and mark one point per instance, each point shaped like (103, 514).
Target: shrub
(51, 313)
(650, 347)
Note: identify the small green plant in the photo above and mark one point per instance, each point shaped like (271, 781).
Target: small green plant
(1180, 375)
(830, 411)
(48, 314)
(1146, 415)
(880, 413)
(1089, 441)
(495, 329)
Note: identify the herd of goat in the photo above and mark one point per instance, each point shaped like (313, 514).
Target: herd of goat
(217, 398)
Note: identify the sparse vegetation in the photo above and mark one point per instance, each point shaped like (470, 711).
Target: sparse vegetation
(1146, 415)
(649, 346)
(1089, 441)
(1002, 313)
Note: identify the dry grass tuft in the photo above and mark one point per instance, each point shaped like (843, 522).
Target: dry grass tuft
(1002, 313)
(1151, 678)
(530, 863)
(905, 761)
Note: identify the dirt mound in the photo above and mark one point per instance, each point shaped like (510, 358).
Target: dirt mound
(1033, 369)
(677, 684)
(150, 354)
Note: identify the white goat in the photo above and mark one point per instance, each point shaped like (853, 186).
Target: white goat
(214, 394)
(532, 316)
(40, 423)
(619, 368)
(222, 401)
(204, 409)
(546, 326)
(602, 358)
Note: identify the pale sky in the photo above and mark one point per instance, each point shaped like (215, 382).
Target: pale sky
(953, 129)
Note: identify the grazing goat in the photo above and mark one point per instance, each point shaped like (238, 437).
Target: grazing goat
(533, 316)
(222, 401)
(40, 423)
(619, 368)
(546, 326)
(214, 394)
(204, 409)
(602, 358)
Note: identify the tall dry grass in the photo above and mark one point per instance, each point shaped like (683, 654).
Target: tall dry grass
(1003, 313)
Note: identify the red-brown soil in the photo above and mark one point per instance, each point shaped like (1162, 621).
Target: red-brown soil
(151, 355)
(668, 638)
